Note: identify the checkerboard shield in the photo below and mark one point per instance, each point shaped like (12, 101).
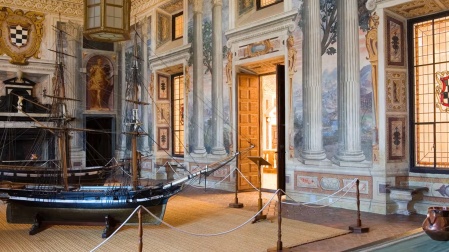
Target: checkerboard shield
(18, 35)
(445, 92)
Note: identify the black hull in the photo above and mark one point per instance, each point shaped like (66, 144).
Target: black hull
(19, 213)
(54, 177)
(89, 204)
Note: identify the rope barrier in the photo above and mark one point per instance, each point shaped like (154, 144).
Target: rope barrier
(180, 230)
(306, 203)
(107, 239)
(217, 234)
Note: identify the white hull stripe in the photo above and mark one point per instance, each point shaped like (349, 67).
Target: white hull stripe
(81, 201)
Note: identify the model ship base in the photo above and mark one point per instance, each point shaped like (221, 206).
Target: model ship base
(20, 214)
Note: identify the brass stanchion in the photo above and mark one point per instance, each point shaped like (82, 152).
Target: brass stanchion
(279, 242)
(140, 231)
(259, 161)
(236, 203)
(358, 228)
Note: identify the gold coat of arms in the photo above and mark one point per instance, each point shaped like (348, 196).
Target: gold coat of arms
(20, 34)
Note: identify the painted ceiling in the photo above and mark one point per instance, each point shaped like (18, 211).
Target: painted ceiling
(420, 8)
(72, 7)
(264, 66)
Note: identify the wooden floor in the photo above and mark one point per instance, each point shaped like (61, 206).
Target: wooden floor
(381, 226)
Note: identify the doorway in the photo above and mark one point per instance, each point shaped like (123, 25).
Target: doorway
(261, 123)
(99, 145)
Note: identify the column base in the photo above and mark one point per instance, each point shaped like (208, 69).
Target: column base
(353, 156)
(357, 164)
(218, 151)
(199, 152)
(316, 162)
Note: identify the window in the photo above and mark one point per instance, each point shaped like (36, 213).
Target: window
(178, 115)
(93, 8)
(114, 13)
(178, 26)
(265, 3)
(429, 56)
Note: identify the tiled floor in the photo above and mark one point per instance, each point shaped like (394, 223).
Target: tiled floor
(381, 226)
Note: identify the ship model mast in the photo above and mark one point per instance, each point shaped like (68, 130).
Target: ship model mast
(135, 123)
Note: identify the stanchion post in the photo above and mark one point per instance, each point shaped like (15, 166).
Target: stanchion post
(236, 203)
(279, 247)
(358, 228)
(140, 231)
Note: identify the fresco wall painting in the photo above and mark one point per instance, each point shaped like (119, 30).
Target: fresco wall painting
(100, 83)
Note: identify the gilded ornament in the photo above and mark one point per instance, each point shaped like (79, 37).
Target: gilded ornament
(442, 91)
(20, 34)
(229, 69)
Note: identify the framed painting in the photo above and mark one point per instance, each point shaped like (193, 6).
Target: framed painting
(162, 87)
(395, 42)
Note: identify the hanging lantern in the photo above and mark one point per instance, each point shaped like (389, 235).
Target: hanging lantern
(107, 20)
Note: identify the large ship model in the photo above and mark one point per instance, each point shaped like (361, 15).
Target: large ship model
(76, 203)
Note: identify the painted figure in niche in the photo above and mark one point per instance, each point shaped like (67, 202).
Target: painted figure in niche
(99, 84)
(292, 57)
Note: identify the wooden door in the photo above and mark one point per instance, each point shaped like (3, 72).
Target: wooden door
(248, 128)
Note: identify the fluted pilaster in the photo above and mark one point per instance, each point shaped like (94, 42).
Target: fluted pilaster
(312, 98)
(217, 79)
(349, 125)
(198, 90)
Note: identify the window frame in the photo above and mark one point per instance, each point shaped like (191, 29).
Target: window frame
(173, 28)
(174, 138)
(260, 7)
(411, 77)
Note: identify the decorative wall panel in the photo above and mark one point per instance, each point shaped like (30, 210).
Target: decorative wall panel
(306, 181)
(396, 134)
(163, 29)
(395, 42)
(163, 87)
(163, 113)
(363, 186)
(396, 92)
(245, 6)
(330, 184)
(163, 138)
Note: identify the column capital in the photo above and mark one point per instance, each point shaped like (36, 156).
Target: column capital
(217, 2)
(197, 6)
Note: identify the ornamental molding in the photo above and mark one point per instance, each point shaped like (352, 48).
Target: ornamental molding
(170, 58)
(281, 22)
(65, 7)
(33, 67)
(372, 4)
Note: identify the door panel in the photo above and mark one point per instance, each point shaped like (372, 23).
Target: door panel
(248, 128)
(280, 99)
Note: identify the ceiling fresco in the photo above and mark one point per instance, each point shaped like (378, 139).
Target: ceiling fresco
(420, 8)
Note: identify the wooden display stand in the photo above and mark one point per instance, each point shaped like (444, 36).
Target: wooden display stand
(358, 228)
(259, 161)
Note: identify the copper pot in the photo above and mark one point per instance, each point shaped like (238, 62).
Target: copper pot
(436, 225)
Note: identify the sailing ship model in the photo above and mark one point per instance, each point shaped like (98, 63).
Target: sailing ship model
(73, 203)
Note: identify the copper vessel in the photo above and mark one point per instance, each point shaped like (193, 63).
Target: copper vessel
(436, 225)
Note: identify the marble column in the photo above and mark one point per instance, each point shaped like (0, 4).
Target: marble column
(144, 140)
(349, 125)
(217, 79)
(198, 72)
(312, 98)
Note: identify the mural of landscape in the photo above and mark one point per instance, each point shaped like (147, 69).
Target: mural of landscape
(329, 85)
